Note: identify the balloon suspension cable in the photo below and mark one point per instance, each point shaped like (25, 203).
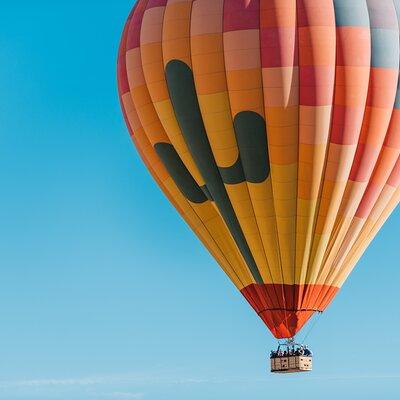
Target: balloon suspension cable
(316, 319)
(288, 342)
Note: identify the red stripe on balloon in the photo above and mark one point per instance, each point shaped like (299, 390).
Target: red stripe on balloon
(276, 305)
(133, 38)
(241, 14)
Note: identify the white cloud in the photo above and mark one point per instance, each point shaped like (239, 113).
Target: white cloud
(138, 378)
(53, 382)
(148, 379)
(121, 395)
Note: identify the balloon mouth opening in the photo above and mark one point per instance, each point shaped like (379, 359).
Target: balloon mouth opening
(285, 324)
(285, 309)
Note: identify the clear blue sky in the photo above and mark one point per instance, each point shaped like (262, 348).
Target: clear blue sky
(104, 292)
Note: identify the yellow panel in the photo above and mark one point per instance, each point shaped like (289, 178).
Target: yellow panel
(221, 245)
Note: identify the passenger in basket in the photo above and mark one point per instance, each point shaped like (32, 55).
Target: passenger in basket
(307, 352)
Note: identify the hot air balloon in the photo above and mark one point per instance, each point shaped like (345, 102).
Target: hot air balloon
(273, 127)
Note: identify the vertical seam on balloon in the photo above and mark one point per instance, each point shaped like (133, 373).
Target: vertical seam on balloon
(223, 53)
(335, 232)
(270, 176)
(234, 240)
(320, 187)
(223, 220)
(297, 49)
(205, 227)
(322, 179)
(237, 145)
(169, 99)
(312, 290)
(268, 149)
(256, 275)
(282, 285)
(239, 156)
(332, 232)
(337, 225)
(140, 32)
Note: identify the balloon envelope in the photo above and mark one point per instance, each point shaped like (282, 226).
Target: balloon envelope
(273, 127)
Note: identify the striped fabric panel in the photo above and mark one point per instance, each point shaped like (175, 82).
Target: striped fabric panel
(211, 86)
(279, 62)
(176, 46)
(353, 54)
(273, 128)
(242, 56)
(381, 96)
(317, 56)
(155, 25)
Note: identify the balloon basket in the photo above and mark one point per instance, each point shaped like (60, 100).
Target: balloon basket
(291, 357)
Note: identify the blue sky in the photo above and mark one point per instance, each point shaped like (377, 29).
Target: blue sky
(104, 292)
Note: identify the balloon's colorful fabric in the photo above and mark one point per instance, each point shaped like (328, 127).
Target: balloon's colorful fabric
(273, 126)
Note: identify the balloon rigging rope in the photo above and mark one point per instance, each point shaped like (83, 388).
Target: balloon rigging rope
(312, 327)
